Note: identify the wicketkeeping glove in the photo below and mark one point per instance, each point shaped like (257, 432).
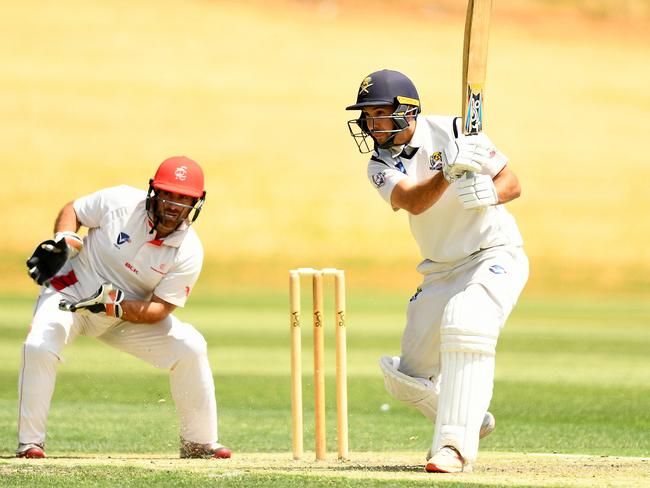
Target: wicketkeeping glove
(477, 191)
(50, 256)
(106, 300)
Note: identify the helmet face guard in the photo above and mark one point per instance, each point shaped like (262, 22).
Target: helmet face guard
(156, 208)
(360, 131)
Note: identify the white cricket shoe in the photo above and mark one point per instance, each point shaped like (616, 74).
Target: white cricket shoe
(447, 460)
(487, 427)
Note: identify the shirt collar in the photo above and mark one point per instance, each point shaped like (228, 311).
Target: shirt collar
(175, 238)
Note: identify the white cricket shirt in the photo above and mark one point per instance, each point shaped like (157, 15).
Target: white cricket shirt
(120, 249)
(445, 232)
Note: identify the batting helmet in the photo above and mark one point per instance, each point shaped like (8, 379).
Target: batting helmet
(385, 87)
(181, 175)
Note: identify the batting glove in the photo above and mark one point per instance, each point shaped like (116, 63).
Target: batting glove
(477, 191)
(106, 300)
(50, 256)
(474, 153)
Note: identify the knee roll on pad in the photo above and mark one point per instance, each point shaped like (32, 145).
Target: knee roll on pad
(418, 392)
(470, 322)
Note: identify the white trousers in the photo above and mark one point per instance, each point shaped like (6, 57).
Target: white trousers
(502, 271)
(453, 322)
(168, 344)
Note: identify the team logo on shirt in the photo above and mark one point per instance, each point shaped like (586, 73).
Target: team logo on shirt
(122, 238)
(379, 179)
(497, 269)
(435, 161)
(181, 173)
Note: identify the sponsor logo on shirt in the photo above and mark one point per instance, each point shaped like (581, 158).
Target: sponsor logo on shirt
(122, 238)
(160, 269)
(435, 161)
(131, 267)
(497, 269)
(379, 179)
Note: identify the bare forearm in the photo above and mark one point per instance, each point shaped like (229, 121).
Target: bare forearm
(507, 185)
(67, 219)
(416, 198)
(141, 312)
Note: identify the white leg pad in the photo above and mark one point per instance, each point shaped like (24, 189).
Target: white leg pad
(418, 392)
(470, 327)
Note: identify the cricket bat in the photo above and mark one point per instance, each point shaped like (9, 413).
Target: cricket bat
(475, 49)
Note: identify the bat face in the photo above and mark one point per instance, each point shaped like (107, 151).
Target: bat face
(477, 27)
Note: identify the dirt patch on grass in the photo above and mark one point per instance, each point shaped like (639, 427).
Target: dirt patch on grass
(502, 469)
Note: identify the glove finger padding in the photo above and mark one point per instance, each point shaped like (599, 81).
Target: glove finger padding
(477, 191)
(105, 300)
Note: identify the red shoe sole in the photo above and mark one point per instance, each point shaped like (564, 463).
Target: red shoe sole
(33, 454)
(222, 453)
(432, 468)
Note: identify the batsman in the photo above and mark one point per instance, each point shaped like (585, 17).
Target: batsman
(120, 284)
(453, 188)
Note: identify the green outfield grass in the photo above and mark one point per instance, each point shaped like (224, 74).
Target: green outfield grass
(571, 378)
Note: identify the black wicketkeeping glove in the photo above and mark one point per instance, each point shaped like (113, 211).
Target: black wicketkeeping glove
(106, 300)
(50, 256)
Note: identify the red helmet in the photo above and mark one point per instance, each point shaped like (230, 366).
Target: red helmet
(181, 175)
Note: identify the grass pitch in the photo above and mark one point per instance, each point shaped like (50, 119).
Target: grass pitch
(571, 383)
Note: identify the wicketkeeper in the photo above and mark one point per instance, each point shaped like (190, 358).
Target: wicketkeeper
(474, 268)
(120, 284)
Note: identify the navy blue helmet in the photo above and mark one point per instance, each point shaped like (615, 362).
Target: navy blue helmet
(385, 87)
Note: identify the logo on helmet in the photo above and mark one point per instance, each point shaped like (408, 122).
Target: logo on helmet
(365, 84)
(181, 173)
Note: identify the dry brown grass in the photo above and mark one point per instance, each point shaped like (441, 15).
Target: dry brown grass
(97, 93)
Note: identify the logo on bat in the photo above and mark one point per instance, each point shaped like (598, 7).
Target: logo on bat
(474, 115)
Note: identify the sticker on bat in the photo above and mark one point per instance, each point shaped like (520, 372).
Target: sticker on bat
(474, 115)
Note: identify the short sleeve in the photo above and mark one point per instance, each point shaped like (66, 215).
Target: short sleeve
(384, 178)
(91, 209)
(497, 159)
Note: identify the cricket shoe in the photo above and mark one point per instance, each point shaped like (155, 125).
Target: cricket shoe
(487, 427)
(194, 450)
(447, 460)
(31, 450)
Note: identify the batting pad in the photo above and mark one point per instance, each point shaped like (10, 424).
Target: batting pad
(418, 392)
(468, 341)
